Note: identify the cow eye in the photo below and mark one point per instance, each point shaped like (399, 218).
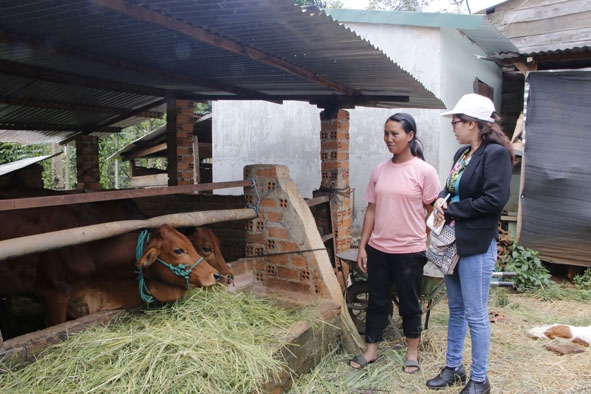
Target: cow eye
(179, 251)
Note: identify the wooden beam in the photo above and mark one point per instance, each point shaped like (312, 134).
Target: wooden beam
(120, 118)
(21, 246)
(138, 12)
(525, 68)
(145, 151)
(552, 57)
(317, 200)
(49, 201)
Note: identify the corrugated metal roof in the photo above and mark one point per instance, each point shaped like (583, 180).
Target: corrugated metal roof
(201, 130)
(557, 54)
(155, 136)
(95, 66)
(22, 163)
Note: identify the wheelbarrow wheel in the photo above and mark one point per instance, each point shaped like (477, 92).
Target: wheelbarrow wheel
(357, 297)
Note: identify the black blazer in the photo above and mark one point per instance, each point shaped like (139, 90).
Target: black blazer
(484, 191)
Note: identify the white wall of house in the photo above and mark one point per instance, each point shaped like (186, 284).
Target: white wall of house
(289, 134)
(259, 132)
(460, 66)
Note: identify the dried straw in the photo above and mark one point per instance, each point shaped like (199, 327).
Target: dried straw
(518, 363)
(208, 342)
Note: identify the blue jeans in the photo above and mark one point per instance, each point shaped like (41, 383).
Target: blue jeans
(467, 292)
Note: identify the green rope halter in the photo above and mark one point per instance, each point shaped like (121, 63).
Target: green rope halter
(181, 270)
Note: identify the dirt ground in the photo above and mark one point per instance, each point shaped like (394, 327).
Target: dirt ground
(518, 363)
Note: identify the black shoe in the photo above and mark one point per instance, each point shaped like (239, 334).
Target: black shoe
(476, 388)
(447, 377)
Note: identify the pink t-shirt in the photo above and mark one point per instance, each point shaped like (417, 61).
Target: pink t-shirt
(400, 192)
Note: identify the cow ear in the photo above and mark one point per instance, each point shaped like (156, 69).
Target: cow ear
(148, 258)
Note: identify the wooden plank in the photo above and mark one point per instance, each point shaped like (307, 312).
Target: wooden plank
(317, 200)
(552, 41)
(149, 180)
(146, 151)
(506, 14)
(566, 24)
(48, 201)
(24, 349)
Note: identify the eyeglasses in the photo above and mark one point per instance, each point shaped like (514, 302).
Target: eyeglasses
(453, 123)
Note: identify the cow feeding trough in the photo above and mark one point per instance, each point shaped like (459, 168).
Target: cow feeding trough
(286, 261)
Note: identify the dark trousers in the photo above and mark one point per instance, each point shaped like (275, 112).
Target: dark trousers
(405, 271)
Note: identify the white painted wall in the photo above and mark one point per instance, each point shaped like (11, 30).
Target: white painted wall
(460, 66)
(258, 132)
(289, 134)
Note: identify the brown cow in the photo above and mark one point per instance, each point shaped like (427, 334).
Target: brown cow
(207, 245)
(99, 275)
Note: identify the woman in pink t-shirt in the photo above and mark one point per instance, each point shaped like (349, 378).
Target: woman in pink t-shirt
(393, 238)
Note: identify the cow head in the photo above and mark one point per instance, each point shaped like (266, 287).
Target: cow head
(207, 245)
(170, 264)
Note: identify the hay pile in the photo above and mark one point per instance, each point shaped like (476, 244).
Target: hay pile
(518, 363)
(208, 342)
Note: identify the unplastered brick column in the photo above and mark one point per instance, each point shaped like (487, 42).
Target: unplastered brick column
(334, 155)
(179, 139)
(87, 163)
(283, 241)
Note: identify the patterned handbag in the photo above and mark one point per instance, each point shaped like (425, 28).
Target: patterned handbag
(442, 249)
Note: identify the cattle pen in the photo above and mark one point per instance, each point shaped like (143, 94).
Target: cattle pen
(275, 249)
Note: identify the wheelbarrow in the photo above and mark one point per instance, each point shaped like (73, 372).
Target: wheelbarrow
(432, 290)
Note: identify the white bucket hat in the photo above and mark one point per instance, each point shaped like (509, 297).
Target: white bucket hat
(475, 106)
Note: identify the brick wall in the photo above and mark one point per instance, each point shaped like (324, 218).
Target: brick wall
(87, 163)
(179, 138)
(283, 244)
(334, 155)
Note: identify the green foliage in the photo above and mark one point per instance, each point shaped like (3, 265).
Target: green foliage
(531, 273)
(583, 281)
(55, 181)
(551, 292)
(575, 294)
(108, 145)
(398, 5)
(201, 108)
(320, 3)
(11, 151)
(114, 142)
(501, 297)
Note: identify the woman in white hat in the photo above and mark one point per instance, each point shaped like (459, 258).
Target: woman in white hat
(479, 187)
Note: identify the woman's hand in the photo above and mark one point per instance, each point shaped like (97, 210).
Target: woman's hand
(362, 260)
(438, 209)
